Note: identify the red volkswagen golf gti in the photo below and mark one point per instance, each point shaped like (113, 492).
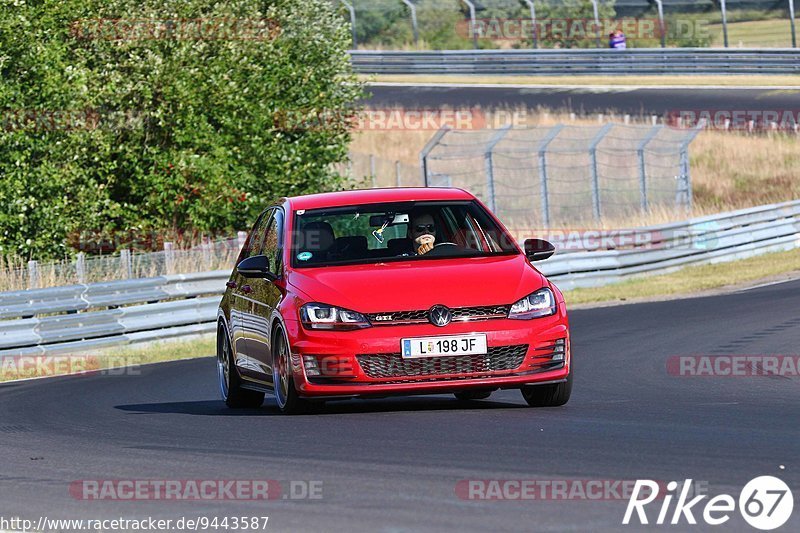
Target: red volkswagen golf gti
(389, 292)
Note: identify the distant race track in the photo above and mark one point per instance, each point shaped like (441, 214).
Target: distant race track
(394, 464)
(634, 101)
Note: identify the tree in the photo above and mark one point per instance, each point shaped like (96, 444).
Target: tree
(178, 115)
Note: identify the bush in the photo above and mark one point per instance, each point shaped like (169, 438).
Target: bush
(157, 123)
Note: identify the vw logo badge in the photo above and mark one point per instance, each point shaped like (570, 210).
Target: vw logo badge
(440, 315)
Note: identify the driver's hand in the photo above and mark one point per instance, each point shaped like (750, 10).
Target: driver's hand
(425, 247)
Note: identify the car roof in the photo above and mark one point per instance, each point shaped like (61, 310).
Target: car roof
(377, 196)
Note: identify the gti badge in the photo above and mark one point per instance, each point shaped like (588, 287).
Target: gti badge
(440, 315)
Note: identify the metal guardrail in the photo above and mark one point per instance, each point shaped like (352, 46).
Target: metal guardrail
(83, 317)
(581, 61)
(665, 248)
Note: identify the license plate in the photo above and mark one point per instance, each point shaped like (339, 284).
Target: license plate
(443, 346)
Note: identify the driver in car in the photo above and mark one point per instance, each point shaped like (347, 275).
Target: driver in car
(423, 232)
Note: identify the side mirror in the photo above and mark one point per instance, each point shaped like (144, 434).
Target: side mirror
(538, 249)
(256, 267)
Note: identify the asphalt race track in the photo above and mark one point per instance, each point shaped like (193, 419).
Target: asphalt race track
(634, 101)
(392, 465)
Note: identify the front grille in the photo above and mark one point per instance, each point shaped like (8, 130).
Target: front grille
(392, 365)
(460, 314)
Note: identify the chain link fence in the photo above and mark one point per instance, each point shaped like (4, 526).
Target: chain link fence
(565, 174)
(210, 255)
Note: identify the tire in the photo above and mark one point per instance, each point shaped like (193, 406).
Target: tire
(552, 395)
(468, 395)
(230, 383)
(289, 402)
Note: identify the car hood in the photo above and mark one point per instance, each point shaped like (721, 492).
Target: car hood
(420, 284)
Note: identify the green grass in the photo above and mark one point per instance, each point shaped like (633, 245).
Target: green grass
(775, 33)
(692, 279)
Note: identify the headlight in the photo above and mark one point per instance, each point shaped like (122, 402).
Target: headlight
(322, 316)
(540, 303)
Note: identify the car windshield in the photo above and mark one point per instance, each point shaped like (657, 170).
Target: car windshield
(391, 232)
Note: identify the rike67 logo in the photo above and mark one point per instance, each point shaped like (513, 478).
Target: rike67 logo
(765, 503)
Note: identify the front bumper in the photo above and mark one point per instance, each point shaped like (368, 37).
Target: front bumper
(345, 374)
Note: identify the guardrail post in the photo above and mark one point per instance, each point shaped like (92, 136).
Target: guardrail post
(125, 263)
(643, 167)
(543, 144)
(661, 27)
(596, 211)
(34, 281)
(414, 27)
(398, 178)
(169, 258)
(489, 165)
(596, 21)
(352, 11)
(791, 21)
(535, 30)
(80, 268)
(724, 10)
(473, 23)
(426, 150)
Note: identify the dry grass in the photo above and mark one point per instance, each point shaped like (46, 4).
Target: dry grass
(729, 170)
(14, 273)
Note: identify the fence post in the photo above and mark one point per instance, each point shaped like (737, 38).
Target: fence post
(791, 20)
(34, 281)
(533, 23)
(372, 170)
(169, 258)
(643, 167)
(349, 7)
(685, 177)
(472, 23)
(724, 10)
(125, 263)
(596, 208)
(489, 165)
(397, 176)
(80, 268)
(543, 144)
(414, 26)
(426, 150)
(241, 236)
(596, 21)
(661, 27)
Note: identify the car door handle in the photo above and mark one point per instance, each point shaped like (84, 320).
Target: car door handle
(247, 289)
(231, 284)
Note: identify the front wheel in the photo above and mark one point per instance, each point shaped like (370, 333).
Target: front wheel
(289, 402)
(552, 395)
(230, 384)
